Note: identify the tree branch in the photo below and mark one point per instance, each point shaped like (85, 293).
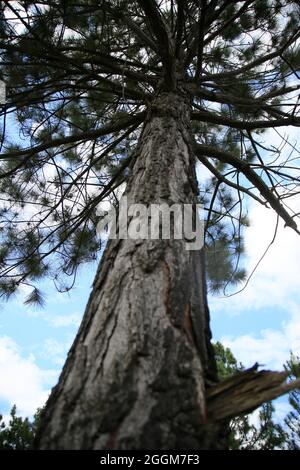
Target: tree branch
(206, 116)
(159, 30)
(245, 391)
(228, 22)
(179, 26)
(222, 179)
(200, 40)
(76, 138)
(134, 27)
(253, 177)
(256, 62)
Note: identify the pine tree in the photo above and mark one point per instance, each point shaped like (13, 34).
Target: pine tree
(292, 420)
(18, 433)
(108, 95)
(265, 434)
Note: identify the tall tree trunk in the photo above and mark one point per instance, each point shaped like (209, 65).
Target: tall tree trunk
(136, 374)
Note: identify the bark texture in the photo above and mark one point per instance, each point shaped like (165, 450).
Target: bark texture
(136, 374)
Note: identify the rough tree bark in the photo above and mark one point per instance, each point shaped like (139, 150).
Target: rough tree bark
(136, 374)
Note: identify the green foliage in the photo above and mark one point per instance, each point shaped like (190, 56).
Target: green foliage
(222, 268)
(265, 434)
(292, 420)
(19, 433)
(35, 298)
(7, 288)
(227, 364)
(262, 9)
(82, 247)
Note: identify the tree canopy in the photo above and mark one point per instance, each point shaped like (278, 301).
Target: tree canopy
(79, 78)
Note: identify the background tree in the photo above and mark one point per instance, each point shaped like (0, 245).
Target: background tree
(266, 433)
(18, 433)
(112, 94)
(292, 420)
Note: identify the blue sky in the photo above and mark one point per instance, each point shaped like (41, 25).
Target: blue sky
(34, 343)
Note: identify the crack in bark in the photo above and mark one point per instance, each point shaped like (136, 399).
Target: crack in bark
(187, 325)
(167, 289)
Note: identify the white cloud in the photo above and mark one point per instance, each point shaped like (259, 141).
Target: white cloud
(65, 320)
(275, 281)
(56, 320)
(56, 350)
(270, 347)
(281, 411)
(22, 382)
(275, 284)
